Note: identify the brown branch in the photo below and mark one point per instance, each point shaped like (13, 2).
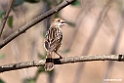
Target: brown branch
(6, 16)
(86, 58)
(35, 21)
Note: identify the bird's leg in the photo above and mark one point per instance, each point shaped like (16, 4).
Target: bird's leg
(59, 55)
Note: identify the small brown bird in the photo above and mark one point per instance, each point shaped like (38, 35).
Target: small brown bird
(52, 42)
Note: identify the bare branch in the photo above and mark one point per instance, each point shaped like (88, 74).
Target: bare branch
(6, 16)
(57, 61)
(35, 21)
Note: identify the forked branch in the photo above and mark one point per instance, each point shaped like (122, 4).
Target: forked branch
(35, 21)
(6, 16)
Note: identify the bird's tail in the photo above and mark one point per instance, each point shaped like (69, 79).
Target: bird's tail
(49, 65)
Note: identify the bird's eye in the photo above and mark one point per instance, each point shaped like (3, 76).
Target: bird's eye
(58, 20)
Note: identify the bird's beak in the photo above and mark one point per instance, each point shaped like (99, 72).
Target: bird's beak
(63, 21)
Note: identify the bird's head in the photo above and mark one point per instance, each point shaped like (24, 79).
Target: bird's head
(58, 22)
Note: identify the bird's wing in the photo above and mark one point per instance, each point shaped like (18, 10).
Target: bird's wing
(53, 39)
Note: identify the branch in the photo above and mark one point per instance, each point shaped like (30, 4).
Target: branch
(6, 16)
(86, 58)
(35, 21)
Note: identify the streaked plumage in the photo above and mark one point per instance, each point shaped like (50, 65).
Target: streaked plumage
(52, 41)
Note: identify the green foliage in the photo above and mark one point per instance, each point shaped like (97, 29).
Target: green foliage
(48, 2)
(10, 21)
(17, 3)
(76, 3)
(43, 34)
(51, 72)
(56, 15)
(29, 80)
(32, 1)
(2, 13)
(71, 24)
(40, 69)
(52, 2)
(1, 81)
(2, 56)
(65, 51)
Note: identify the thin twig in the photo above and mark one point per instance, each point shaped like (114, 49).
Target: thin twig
(57, 61)
(6, 16)
(35, 21)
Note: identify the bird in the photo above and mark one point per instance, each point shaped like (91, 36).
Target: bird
(52, 42)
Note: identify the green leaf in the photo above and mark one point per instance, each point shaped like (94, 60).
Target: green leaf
(40, 69)
(43, 34)
(29, 80)
(2, 56)
(71, 24)
(51, 72)
(2, 13)
(65, 51)
(49, 2)
(75, 3)
(17, 3)
(10, 21)
(1, 81)
(56, 15)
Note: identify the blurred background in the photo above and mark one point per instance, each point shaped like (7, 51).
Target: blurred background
(93, 27)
